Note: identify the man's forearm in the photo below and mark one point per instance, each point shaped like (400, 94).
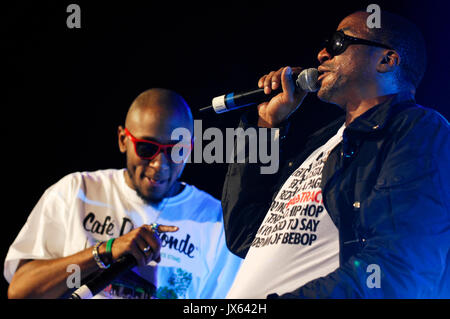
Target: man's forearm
(48, 278)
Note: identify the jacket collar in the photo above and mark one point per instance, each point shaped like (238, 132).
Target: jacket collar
(376, 118)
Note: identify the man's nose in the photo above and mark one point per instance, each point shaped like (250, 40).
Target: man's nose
(160, 162)
(324, 56)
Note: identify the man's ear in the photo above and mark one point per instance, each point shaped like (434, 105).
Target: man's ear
(122, 139)
(388, 61)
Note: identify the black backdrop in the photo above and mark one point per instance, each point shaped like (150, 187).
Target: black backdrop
(67, 90)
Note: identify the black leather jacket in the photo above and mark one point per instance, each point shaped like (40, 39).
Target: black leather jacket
(386, 188)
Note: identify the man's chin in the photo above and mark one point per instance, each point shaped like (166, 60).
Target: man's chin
(151, 195)
(150, 199)
(325, 94)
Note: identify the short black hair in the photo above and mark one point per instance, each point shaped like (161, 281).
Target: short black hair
(405, 38)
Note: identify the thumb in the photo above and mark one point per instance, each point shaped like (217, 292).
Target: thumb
(287, 83)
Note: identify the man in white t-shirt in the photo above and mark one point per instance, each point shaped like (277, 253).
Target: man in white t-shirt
(90, 219)
(360, 209)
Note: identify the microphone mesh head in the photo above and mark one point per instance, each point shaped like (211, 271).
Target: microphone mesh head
(307, 80)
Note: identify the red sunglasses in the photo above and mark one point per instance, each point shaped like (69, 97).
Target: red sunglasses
(148, 150)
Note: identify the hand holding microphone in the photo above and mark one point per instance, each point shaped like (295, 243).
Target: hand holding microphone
(274, 105)
(282, 105)
(142, 243)
(136, 248)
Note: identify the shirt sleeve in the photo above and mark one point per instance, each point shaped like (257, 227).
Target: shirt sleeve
(406, 254)
(43, 235)
(247, 193)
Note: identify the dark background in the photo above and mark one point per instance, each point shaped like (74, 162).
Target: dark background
(67, 90)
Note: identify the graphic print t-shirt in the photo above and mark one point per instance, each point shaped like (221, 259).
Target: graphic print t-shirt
(297, 240)
(83, 208)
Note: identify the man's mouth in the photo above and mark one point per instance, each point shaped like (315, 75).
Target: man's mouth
(155, 182)
(322, 76)
(323, 72)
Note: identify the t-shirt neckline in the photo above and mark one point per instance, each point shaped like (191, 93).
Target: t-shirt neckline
(132, 195)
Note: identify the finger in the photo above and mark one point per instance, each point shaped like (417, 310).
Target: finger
(167, 229)
(262, 114)
(144, 246)
(149, 253)
(262, 108)
(138, 254)
(295, 73)
(261, 81)
(276, 79)
(268, 83)
(152, 239)
(287, 83)
(297, 70)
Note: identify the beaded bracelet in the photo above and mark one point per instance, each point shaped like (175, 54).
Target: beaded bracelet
(97, 259)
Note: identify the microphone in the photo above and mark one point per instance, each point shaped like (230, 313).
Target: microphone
(306, 81)
(100, 282)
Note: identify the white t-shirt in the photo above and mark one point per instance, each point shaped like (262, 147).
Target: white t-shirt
(297, 241)
(83, 208)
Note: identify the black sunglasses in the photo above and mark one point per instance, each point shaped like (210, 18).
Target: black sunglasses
(339, 42)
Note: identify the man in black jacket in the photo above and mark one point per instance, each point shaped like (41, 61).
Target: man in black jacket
(361, 211)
